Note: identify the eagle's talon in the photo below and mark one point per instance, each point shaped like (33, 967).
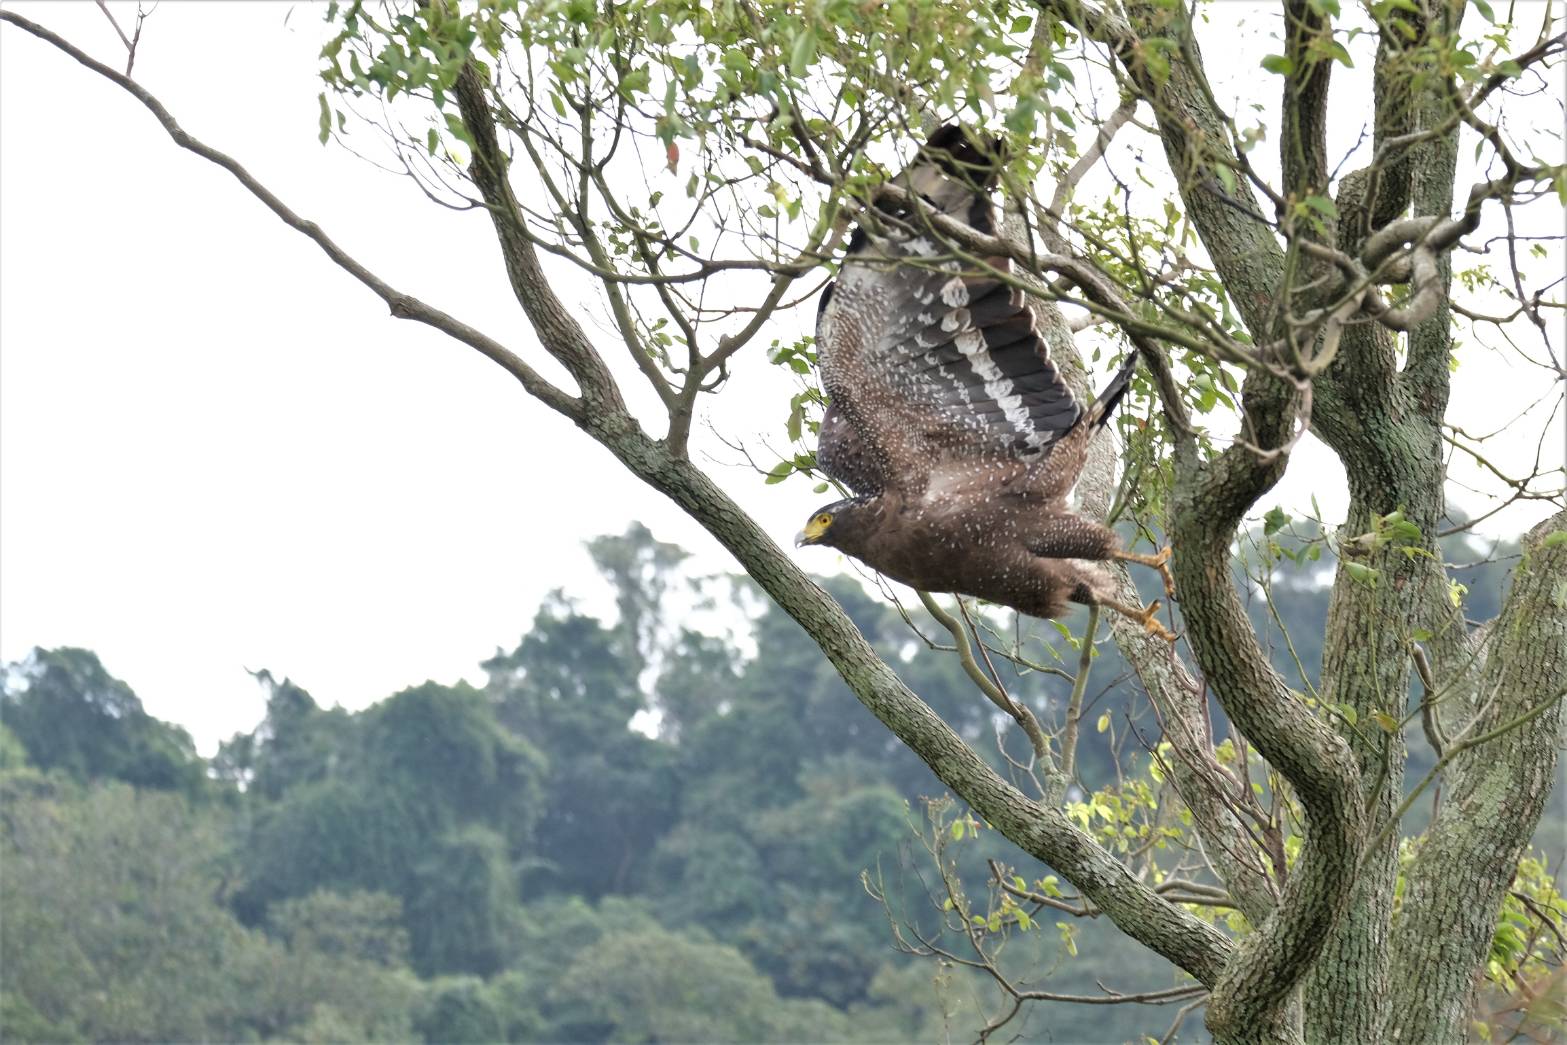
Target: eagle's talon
(1162, 564)
(924, 472)
(1151, 623)
(1159, 561)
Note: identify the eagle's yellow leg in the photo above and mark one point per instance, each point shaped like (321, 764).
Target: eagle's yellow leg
(1159, 562)
(1143, 615)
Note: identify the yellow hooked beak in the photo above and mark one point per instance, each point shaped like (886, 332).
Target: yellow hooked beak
(813, 530)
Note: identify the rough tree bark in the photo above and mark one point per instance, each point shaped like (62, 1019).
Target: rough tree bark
(1321, 352)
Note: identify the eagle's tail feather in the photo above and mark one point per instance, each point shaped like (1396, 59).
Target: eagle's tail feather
(1099, 413)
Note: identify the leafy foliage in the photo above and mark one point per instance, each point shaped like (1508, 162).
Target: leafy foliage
(463, 864)
(69, 713)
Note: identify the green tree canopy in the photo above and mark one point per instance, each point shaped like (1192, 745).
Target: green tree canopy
(69, 713)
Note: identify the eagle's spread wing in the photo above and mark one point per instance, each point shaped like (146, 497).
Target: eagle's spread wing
(928, 364)
(842, 454)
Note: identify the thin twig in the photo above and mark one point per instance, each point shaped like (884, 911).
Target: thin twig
(403, 306)
(1074, 709)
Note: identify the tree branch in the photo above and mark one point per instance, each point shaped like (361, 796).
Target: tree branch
(1303, 146)
(1015, 709)
(1497, 783)
(1049, 228)
(1047, 834)
(558, 330)
(1202, 783)
(403, 306)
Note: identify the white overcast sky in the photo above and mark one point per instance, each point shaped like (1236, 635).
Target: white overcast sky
(218, 452)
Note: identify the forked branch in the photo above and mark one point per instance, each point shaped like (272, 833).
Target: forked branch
(1049, 835)
(403, 306)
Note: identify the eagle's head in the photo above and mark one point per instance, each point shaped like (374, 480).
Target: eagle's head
(845, 525)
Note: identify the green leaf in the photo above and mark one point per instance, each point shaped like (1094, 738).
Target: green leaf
(1485, 10)
(803, 53)
(431, 140)
(796, 419)
(1278, 63)
(1361, 573)
(780, 472)
(1322, 205)
(1388, 723)
(636, 81)
(1021, 119)
(1103, 723)
(326, 119)
(1274, 521)
(457, 129)
(1157, 64)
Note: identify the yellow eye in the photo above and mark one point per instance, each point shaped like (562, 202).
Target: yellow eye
(823, 519)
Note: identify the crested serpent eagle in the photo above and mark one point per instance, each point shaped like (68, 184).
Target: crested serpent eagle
(947, 419)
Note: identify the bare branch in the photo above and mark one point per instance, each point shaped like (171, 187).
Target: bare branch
(1049, 228)
(994, 693)
(402, 305)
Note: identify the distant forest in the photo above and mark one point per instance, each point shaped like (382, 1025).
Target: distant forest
(634, 832)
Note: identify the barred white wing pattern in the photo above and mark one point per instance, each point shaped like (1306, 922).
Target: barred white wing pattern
(926, 363)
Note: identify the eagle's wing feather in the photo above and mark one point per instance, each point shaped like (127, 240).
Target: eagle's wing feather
(841, 454)
(927, 363)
